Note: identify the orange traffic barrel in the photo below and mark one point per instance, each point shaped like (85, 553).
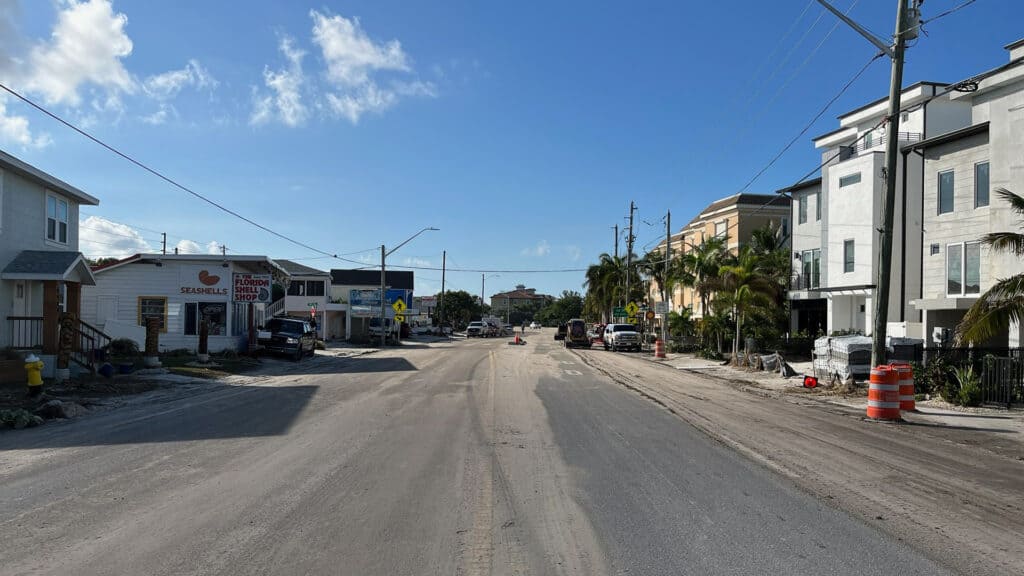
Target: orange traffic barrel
(906, 380)
(884, 394)
(659, 348)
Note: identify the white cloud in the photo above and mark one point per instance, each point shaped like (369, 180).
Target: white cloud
(86, 47)
(213, 247)
(168, 84)
(101, 238)
(159, 117)
(574, 252)
(413, 261)
(284, 102)
(189, 247)
(353, 63)
(15, 129)
(541, 249)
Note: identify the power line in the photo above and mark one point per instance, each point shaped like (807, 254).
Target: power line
(956, 8)
(158, 174)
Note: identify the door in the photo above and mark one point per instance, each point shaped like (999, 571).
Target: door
(106, 309)
(20, 306)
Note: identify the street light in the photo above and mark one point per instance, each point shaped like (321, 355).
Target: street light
(483, 278)
(383, 256)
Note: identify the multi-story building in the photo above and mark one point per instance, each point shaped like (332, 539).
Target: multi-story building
(733, 218)
(960, 171)
(847, 213)
(504, 302)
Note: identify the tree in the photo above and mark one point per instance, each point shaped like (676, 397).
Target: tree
(652, 265)
(562, 309)
(745, 287)
(101, 261)
(1004, 301)
(460, 307)
(701, 265)
(605, 284)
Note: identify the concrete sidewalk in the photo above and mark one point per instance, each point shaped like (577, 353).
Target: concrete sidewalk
(929, 412)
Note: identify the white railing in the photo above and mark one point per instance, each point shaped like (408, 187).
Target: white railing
(275, 308)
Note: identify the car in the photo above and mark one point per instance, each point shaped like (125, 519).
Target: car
(476, 329)
(621, 336)
(577, 334)
(534, 326)
(391, 330)
(292, 336)
(561, 332)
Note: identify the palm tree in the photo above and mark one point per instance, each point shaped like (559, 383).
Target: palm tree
(605, 283)
(745, 287)
(701, 265)
(652, 265)
(1004, 301)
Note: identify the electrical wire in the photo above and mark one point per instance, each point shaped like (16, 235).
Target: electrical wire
(956, 8)
(158, 174)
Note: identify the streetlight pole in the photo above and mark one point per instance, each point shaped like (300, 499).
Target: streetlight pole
(383, 289)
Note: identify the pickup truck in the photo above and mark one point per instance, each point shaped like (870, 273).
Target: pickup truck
(621, 336)
(476, 329)
(390, 328)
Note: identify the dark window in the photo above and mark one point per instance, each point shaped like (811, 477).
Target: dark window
(56, 219)
(981, 184)
(849, 179)
(817, 205)
(945, 192)
(954, 269)
(848, 256)
(934, 249)
(153, 306)
(972, 268)
(314, 288)
(297, 288)
(216, 313)
(802, 203)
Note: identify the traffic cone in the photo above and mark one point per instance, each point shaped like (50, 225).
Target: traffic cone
(517, 339)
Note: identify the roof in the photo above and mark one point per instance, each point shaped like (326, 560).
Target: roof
(758, 200)
(26, 170)
(948, 137)
(520, 295)
(400, 279)
(48, 265)
(192, 258)
(886, 98)
(800, 186)
(296, 269)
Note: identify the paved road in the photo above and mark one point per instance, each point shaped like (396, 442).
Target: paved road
(470, 458)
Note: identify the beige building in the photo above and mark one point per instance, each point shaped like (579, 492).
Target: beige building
(734, 218)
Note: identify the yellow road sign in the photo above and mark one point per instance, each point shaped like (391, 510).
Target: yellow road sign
(399, 318)
(399, 306)
(632, 308)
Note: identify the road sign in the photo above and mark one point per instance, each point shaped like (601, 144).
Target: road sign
(661, 307)
(650, 314)
(619, 312)
(631, 319)
(632, 308)
(399, 317)
(399, 306)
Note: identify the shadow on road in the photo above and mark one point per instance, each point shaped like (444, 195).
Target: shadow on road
(220, 412)
(324, 364)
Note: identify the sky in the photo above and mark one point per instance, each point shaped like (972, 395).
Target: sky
(520, 130)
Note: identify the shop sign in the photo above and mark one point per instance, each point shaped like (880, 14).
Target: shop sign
(251, 288)
(202, 282)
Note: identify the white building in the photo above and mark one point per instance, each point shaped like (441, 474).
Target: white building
(366, 284)
(309, 289)
(179, 290)
(808, 305)
(961, 169)
(851, 196)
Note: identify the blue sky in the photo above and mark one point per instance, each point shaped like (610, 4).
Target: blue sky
(521, 130)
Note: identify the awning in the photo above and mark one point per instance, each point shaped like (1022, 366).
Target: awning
(56, 265)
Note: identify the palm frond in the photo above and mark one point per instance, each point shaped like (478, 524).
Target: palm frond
(1016, 202)
(1011, 242)
(993, 312)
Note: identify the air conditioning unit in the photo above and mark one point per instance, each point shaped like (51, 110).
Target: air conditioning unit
(941, 335)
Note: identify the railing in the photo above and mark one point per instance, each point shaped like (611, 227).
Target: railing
(88, 345)
(26, 332)
(805, 282)
(275, 308)
(1001, 370)
(863, 145)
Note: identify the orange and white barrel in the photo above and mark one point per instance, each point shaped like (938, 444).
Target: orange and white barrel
(906, 380)
(884, 394)
(659, 348)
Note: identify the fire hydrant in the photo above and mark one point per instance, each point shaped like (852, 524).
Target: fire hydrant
(34, 372)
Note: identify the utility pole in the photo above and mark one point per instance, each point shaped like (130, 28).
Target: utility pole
(164, 242)
(629, 250)
(383, 333)
(223, 250)
(482, 279)
(666, 296)
(907, 16)
(616, 241)
(444, 263)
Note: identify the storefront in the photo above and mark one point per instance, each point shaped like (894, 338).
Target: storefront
(181, 290)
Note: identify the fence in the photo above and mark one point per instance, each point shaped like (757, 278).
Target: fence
(26, 332)
(1001, 370)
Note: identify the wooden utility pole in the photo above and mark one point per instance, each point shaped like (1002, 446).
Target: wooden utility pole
(440, 306)
(666, 296)
(629, 251)
(616, 241)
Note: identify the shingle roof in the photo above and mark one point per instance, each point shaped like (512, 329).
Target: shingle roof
(44, 262)
(520, 295)
(400, 279)
(296, 269)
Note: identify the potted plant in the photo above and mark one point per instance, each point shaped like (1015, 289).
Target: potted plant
(123, 353)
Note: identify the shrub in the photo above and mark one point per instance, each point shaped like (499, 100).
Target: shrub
(935, 377)
(968, 389)
(178, 352)
(123, 347)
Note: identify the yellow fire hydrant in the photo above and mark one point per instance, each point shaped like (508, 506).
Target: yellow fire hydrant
(34, 372)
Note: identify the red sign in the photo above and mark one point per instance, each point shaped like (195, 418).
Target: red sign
(251, 288)
(208, 281)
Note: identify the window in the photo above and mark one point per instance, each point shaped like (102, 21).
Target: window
(945, 192)
(802, 203)
(722, 229)
(817, 205)
(811, 260)
(56, 219)
(849, 179)
(306, 288)
(153, 306)
(784, 223)
(981, 184)
(869, 139)
(848, 256)
(297, 288)
(963, 269)
(216, 313)
(934, 249)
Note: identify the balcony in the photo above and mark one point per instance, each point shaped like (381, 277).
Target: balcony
(805, 282)
(863, 145)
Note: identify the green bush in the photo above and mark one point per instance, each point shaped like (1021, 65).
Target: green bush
(123, 347)
(967, 392)
(935, 378)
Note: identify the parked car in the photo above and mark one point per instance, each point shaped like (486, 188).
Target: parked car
(621, 337)
(561, 331)
(476, 329)
(534, 326)
(390, 328)
(577, 334)
(290, 336)
(493, 330)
